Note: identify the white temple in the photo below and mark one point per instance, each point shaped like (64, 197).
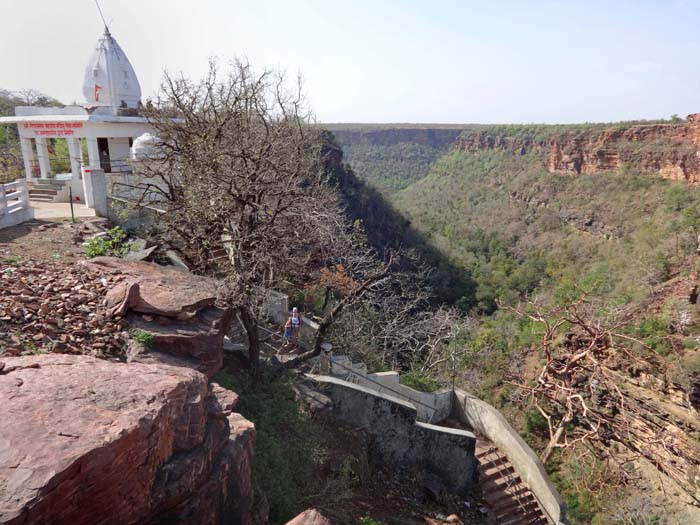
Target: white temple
(107, 122)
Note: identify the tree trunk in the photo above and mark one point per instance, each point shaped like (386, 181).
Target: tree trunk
(555, 439)
(251, 329)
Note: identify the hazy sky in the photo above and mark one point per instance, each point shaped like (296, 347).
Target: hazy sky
(388, 61)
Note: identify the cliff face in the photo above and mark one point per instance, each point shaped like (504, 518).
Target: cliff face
(672, 150)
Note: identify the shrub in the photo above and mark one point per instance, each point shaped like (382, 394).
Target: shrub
(142, 336)
(420, 381)
(111, 244)
(535, 424)
(653, 330)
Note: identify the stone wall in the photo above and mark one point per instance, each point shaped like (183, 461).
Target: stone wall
(399, 440)
(432, 407)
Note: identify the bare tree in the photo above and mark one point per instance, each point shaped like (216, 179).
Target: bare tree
(238, 171)
(380, 313)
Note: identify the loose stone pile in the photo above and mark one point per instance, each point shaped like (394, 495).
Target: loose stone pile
(56, 307)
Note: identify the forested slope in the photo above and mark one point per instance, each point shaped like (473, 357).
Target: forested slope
(600, 245)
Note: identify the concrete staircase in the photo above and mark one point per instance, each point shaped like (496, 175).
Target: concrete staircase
(48, 190)
(509, 500)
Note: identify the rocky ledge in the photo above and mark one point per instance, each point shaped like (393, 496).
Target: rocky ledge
(94, 308)
(177, 308)
(101, 442)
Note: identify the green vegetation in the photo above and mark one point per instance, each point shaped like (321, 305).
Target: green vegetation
(420, 381)
(143, 337)
(392, 167)
(515, 230)
(366, 520)
(13, 260)
(11, 165)
(285, 445)
(112, 244)
(540, 132)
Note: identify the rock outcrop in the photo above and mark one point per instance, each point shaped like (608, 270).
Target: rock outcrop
(89, 441)
(310, 517)
(177, 308)
(671, 150)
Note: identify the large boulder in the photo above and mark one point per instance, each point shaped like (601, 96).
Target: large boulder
(162, 290)
(177, 308)
(89, 441)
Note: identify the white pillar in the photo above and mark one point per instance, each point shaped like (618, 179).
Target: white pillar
(43, 153)
(28, 156)
(76, 158)
(93, 153)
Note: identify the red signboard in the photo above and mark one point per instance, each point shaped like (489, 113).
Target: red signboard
(53, 129)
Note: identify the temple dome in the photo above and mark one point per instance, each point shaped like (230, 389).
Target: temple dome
(109, 78)
(146, 147)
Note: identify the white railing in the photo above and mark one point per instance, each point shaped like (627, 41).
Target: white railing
(14, 197)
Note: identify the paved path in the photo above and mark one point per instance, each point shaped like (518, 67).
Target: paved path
(59, 210)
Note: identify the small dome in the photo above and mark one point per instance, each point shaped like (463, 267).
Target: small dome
(145, 147)
(109, 78)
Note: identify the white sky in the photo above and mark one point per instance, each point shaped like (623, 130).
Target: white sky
(388, 60)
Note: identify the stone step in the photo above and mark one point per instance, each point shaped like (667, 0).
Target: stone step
(45, 187)
(46, 184)
(40, 198)
(34, 191)
(61, 182)
(531, 518)
(516, 505)
(501, 498)
(498, 485)
(491, 472)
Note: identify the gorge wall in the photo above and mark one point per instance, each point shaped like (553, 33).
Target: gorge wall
(671, 149)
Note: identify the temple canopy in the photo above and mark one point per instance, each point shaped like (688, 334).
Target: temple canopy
(109, 78)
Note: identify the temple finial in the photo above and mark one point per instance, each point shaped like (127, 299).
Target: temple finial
(103, 18)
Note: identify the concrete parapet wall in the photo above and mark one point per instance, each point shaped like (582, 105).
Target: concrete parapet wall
(431, 407)
(488, 422)
(397, 439)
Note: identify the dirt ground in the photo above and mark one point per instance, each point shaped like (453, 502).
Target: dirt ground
(46, 240)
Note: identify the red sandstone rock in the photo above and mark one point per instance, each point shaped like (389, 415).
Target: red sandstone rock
(88, 441)
(162, 290)
(310, 517)
(176, 307)
(56, 307)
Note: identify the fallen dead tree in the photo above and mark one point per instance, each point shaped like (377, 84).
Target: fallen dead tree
(606, 390)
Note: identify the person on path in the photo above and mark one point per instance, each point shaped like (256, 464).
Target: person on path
(292, 327)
